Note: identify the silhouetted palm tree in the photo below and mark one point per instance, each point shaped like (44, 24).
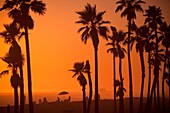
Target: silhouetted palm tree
(116, 39)
(92, 27)
(10, 34)
(149, 47)
(78, 71)
(168, 79)
(130, 7)
(165, 29)
(87, 70)
(20, 13)
(141, 40)
(154, 20)
(114, 51)
(15, 82)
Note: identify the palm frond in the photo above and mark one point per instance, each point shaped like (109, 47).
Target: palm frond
(7, 5)
(104, 22)
(38, 7)
(82, 28)
(138, 8)
(140, 1)
(119, 8)
(110, 43)
(98, 17)
(14, 14)
(103, 31)
(85, 35)
(81, 22)
(5, 72)
(124, 13)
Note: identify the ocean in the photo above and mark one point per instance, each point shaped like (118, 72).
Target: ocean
(8, 98)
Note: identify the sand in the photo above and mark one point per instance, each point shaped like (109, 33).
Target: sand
(106, 106)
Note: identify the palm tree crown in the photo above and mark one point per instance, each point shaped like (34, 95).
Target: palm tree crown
(92, 24)
(131, 6)
(19, 11)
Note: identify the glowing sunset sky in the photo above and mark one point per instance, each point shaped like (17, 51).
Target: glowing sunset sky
(55, 46)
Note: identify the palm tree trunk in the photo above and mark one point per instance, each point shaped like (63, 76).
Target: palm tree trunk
(90, 92)
(121, 106)
(149, 80)
(96, 82)
(84, 99)
(151, 95)
(21, 91)
(155, 104)
(16, 100)
(114, 79)
(143, 77)
(157, 69)
(169, 78)
(163, 92)
(31, 109)
(130, 71)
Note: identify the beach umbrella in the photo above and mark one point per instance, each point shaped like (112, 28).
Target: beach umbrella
(63, 93)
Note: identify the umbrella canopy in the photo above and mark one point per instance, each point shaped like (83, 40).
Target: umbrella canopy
(63, 93)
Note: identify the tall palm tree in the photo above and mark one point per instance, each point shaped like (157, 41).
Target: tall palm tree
(149, 47)
(20, 13)
(87, 70)
(93, 27)
(165, 29)
(116, 39)
(168, 79)
(78, 69)
(114, 51)
(154, 20)
(130, 7)
(10, 34)
(141, 39)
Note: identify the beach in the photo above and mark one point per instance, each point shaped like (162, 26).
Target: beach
(105, 106)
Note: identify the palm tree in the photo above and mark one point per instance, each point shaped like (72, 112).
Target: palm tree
(168, 79)
(114, 51)
(141, 39)
(154, 20)
(78, 69)
(10, 35)
(13, 58)
(20, 13)
(116, 39)
(15, 82)
(93, 27)
(87, 70)
(130, 8)
(149, 47)
(165, 29)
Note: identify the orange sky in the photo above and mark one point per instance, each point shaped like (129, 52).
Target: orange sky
(55, 46)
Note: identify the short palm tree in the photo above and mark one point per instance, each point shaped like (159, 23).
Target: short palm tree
(116, 39)
(93, 26)
(13, 59)
(130, 7)
(87, 70)
(19, 11)
(78, 71)
(10, 35)
(15, 82)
